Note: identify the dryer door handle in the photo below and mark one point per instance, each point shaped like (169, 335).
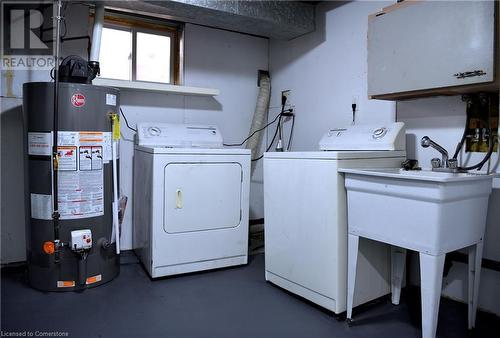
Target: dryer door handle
(178, 199)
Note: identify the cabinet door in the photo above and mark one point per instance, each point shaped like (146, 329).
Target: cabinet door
(431, 44)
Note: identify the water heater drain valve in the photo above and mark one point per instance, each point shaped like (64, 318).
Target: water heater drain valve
(81, 240)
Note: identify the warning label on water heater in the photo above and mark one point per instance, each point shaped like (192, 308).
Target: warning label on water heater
(40, 144)
(80, 174)
(81, 159)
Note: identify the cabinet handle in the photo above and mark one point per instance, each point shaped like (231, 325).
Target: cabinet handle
(178, 199)
(463, 75)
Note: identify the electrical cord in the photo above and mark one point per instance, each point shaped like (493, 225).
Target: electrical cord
(126, 121)
(291, 134)
(270, 144)
(282, 112)
(274, 137)
(252, 134)
(288, 112)
(280, 135)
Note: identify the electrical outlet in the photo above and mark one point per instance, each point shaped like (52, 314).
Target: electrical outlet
(285, 95)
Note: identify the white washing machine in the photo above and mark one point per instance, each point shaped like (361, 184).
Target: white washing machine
(191, 199)
(306, 216)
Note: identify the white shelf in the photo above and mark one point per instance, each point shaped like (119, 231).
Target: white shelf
(156, 87)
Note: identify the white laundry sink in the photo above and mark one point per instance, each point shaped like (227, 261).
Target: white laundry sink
(426, 211)
(432, 213)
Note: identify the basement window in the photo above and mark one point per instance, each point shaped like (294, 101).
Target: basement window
(137, 48)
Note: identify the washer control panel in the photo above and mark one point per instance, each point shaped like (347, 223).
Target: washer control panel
(173, 135)
(154, 131)
(365, 137)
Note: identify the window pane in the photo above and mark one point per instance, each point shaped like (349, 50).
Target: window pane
(153, 58)
(115, 57)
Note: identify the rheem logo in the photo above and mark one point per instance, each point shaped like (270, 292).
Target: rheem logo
(78, 100)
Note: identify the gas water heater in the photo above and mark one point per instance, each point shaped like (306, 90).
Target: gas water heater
(78, 249)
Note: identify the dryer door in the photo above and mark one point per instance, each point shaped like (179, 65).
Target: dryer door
(202, 196)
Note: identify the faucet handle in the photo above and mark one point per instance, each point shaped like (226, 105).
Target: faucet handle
(452, 163)
(436, 163)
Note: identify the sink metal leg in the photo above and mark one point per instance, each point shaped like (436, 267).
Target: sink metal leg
(431, 279)
(470, 293)
(352, 260)
(475, 258)
(398, 259)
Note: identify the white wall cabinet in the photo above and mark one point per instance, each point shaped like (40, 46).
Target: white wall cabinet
(427, 48)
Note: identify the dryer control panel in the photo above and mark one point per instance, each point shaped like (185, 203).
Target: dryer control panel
(172, 135)
(365, 137)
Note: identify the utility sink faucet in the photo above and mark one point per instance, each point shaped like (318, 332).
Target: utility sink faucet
(443, 164)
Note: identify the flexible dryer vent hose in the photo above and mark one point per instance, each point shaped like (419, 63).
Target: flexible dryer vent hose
(259, 118)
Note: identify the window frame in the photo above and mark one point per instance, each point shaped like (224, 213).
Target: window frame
(150, 25)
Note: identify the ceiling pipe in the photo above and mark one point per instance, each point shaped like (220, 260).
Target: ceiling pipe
(96, 38)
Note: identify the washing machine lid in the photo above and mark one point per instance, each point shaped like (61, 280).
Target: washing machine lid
(335, 155)
(365, 137)
(175, 135)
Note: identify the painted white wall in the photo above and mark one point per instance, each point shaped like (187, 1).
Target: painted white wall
(213, 58)
(12, 224)
(325, 71)
(327, 68)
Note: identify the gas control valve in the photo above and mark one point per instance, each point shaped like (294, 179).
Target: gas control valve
(81, 240)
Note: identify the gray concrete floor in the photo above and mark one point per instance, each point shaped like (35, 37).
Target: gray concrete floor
(234, 302)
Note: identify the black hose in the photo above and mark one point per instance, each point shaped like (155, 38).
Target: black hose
(485, 159)
(491, 142)
(462, 140)
(464, 135)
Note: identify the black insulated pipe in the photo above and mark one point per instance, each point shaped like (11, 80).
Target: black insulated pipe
(82, 269)
(55, 159)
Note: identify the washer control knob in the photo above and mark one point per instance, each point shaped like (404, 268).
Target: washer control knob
(379, 132)
(154, 131)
